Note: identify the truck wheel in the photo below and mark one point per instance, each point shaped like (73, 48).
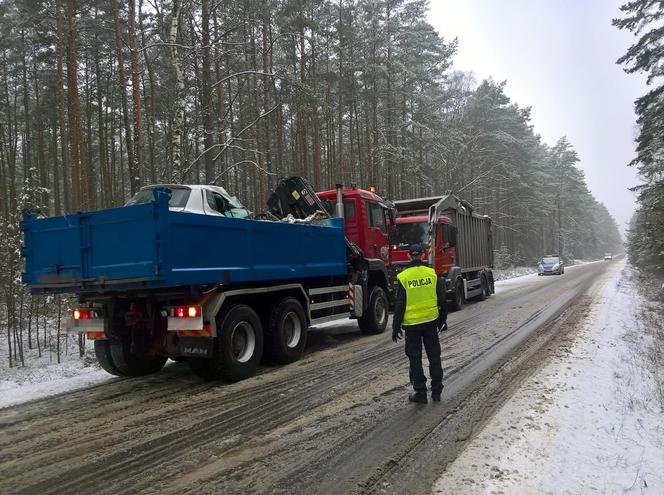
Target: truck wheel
(238, 347)
(374, 320)
(103, 353)
(132, 364)
(459, 299)
(286, 334)
(485, 288)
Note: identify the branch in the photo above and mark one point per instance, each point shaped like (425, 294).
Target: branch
(245, 72)
(227, 144)
(260, 169)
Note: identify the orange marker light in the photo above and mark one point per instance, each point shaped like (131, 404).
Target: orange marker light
(373, 189)
(193, 311)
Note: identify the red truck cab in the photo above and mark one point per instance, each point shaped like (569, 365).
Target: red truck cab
(366, 218)
(415, 230)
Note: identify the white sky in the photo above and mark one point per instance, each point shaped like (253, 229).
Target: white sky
(558, 56)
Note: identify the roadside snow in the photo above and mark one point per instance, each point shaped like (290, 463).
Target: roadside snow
(513, 272)
(588, 422)
(42, 378)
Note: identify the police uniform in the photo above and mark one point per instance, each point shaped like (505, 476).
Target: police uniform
(420, 310)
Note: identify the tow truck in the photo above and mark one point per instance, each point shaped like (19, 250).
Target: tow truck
(201, 279)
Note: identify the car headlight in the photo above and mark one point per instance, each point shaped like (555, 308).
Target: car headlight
(540, 267)
(556, 266)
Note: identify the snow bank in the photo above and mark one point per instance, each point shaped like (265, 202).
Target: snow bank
(42, 377)
(588, 422)
(513, 272)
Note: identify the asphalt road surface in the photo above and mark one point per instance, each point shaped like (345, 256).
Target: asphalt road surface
(337, 421)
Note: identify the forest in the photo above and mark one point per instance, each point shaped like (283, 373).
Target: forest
(643, 18)
(98, 98)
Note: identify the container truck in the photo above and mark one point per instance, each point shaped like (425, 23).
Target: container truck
(459, 240)
(194, 279)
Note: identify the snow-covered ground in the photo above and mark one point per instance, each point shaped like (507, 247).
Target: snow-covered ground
(513, 272)
(590, 421)
(43, 376)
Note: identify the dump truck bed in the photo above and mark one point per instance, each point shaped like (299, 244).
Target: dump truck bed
(149, 246)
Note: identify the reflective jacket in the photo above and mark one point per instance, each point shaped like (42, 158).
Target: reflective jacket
(420, 284)
(400, 302)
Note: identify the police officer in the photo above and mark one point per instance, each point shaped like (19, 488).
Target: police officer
(420, 310)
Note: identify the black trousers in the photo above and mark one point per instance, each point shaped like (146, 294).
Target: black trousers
(424, 334)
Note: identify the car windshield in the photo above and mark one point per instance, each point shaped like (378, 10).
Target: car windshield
(551, 259)
(411, 233)
(237, 209)
(178, 199)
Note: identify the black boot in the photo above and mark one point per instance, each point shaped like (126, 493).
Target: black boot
(419, 397)
(435, 397)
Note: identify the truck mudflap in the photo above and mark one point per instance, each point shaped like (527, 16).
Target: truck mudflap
(202, 347)
(356, 300)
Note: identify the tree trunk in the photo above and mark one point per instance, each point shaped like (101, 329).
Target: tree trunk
(77, 144)
(152, 100)
(104, 172)
(59, 49)
(136, 94)
(266, 95)
(178, 120)
(341, 171)
(41, 158)
(133, 171)
(206, 92)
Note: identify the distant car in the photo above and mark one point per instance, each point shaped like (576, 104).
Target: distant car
(608, 257)
(201, 199)
(550, 265)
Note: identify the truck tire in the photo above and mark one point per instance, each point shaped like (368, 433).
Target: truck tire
(103, 353)
(374, 319)
(286, 333)
(459, 298)
(238, 347)
(131, 364)
(485, 288)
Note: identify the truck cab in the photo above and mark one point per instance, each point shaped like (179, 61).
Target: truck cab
(367, 219)
(415, 230)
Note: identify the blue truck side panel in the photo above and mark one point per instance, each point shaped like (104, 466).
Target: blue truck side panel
(148, 246)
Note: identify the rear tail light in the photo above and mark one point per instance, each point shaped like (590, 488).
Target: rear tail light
(83, 314)
(187, 312)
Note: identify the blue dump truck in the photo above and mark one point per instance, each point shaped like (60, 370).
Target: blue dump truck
(156, 281)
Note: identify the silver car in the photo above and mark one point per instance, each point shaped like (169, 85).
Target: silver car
(201, 199)
(551, 265)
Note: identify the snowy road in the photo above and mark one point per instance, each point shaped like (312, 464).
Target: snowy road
(335, 422)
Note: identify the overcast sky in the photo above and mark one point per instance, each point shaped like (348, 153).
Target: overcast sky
(558, 56)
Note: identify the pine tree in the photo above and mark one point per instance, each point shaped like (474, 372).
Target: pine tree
(644, 18)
